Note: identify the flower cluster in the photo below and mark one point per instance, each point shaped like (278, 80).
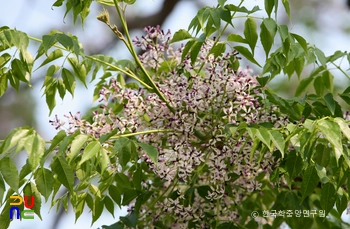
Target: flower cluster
(207, 95)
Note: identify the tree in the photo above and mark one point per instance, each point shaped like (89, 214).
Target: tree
(195, 140)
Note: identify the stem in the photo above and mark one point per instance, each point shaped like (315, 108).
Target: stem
(247, 16)
(130, 74)
(142, 132)
(137, 60)
(342, 71)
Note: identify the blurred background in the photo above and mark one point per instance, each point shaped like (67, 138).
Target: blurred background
(323, 23)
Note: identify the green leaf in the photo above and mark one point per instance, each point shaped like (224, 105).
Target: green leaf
(117, 225)
(79, 206)
(203, 191)
(301, 41)
(97, 209)
(181, 35)
(269, 4)
(121, 80)
(90, 151)
(319, 86)
(283, 31)
(321, 57)
(44, 182)
(222, 2)
(3, 83)
(341, 203)
(4, 217)
(287, 8)
(264, 136)
(2, 189)
(14, 81)
(4, 59)
(108, 202)
(69, 42)
(278, 141)
(31, 190)
(328, 196)
(9, 172)
(130, 220)
(63, 171)
(332, 132)
(187, 48)
(303, 85)
(123, 182)
(35, 147)
(309, 183)
(51, 71)
(194, 25)
(214, 15)
(270, 25)
(344, 127)
(294, 164)
(218, 49)
(48, 42)
(337, 54)
(330, 102)
(61, 88)
(79, 70)
(346, 95)
(77, 146)
(106, 2)
(130, 2)
(89, 201)
(20, 145)
(225, 15)
(247, 54)
(104, 160)
(129, 196)
(55, 141)
(137, 179)
(124, 149)
(328, 79)
(68, 80)
(236, 38)
(250, 33)
(56, 54)
(51, 86)
(12, 37)
(13, 139)
(93, 189)
(115, 194)
(266, 39)
(25, 170)
(299, 65)
(317, 71)
(196, 47)
(19, 70)
(241, 9)
(322, 155)
(151, 151)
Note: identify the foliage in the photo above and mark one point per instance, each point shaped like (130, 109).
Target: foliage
(195, 141)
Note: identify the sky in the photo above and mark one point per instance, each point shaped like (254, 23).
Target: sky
(36, 17)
